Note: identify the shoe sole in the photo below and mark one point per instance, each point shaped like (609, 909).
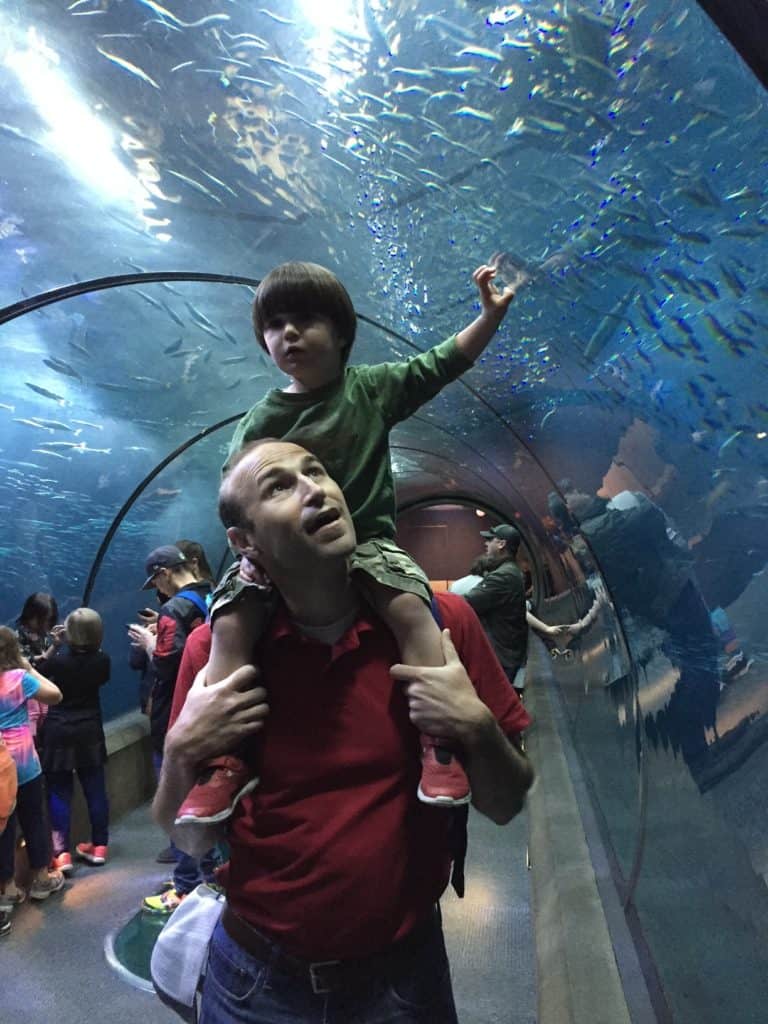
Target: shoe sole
(9, 904)
(97, 862)
(214, 819)
(44, 895)
(443, 801)
(159, 911)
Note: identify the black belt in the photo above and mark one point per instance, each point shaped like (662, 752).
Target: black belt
(325, 975)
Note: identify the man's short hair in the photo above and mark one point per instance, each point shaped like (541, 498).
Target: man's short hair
(305, 288)
(230, 499)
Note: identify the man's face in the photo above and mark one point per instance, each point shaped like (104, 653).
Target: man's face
(495, 547)
(161, 581)
(296, 513)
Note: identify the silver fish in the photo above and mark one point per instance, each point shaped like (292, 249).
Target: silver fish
(47, 394)
(127, 66)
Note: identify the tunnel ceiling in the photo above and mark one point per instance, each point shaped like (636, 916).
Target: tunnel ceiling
(614, 154)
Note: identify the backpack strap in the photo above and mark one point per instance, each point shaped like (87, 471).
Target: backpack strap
(457, 832)
(196, 599)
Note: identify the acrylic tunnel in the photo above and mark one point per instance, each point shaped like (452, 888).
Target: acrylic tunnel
(610, 161)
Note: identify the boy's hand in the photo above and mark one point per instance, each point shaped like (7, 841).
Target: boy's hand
(472, 340)
(495, 303)
(250, 572)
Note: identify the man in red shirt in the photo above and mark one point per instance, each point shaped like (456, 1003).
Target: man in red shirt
(335, 866)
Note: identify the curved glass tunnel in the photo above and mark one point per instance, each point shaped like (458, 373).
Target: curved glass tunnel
(614, 155)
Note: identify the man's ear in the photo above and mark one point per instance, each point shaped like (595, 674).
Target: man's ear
(242, 542)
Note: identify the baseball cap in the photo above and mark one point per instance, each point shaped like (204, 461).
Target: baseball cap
(165, 557)
(503, 532)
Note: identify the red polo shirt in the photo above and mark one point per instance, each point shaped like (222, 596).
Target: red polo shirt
(333, 855)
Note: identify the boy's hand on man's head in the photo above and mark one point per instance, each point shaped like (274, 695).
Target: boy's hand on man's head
(494, 303)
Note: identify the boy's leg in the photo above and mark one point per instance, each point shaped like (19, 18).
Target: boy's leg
(443, 781)
(235, 629)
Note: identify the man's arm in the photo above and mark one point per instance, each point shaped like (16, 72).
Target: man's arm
(443, 702)
(496, 589)
(473, 340)
(213, 718)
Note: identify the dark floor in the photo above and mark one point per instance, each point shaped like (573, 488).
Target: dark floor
(54, 966)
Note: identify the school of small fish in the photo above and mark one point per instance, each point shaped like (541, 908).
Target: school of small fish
(589, 146)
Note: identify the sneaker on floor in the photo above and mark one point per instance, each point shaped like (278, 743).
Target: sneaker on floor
(5, 922)
(8, 900)
(443, 779)
(216, 794)
(164, 902)
(62, 862)
(93, 854)
(42, 890)
(167, 856)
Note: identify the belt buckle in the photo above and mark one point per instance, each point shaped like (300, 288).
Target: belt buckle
(317, 983)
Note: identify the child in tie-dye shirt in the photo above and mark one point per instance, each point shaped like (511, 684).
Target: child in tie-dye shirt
(18, 683)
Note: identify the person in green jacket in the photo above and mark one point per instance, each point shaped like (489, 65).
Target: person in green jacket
(304, 319)
(499, 599)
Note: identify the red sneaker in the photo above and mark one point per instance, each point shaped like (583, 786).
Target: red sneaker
(443, 780)
(62, 862)
(216, 793)
(93, 854)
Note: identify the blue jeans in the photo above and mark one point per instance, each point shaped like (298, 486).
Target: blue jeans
(189, 872)
(239, 989)
(60, 788)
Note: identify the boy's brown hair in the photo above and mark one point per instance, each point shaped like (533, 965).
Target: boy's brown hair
(305, 288)
(10, 651)
(84, 629)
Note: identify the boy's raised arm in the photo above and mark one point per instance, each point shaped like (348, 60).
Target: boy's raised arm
(474, 338)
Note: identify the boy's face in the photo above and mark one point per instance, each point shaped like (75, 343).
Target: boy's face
(306, 347)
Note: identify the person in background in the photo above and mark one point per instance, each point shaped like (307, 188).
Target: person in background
(73, 738)
(499, 599)
(190, 870)
(18, 682)
(477, 571)
(38, 635)
(198, 562)
(143, 643)
(8, 787)
(185, 607)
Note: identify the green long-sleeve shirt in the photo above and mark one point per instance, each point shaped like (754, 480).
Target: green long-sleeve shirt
(346, 424)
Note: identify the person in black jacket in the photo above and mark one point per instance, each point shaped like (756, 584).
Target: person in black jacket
(73, 737)
(170, 573)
